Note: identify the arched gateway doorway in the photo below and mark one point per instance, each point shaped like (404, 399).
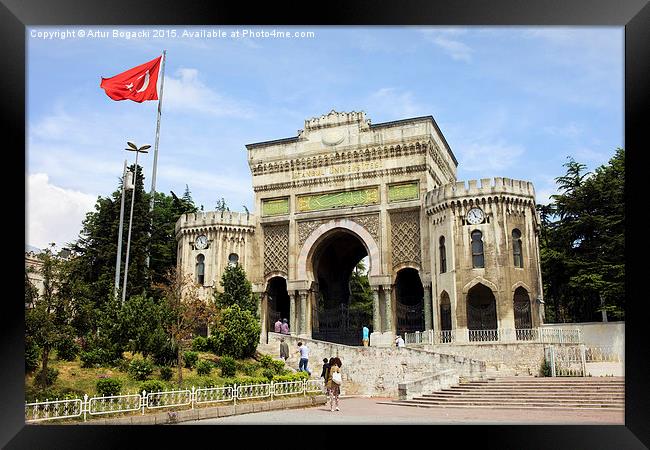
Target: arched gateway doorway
(278, 300)
(343, 302)
(410, 301)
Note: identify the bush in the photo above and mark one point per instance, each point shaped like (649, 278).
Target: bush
(152, 386)
(545, 370)
(50, 377)
(294, 376)
(108, 386)
(212, 344)
(32, 356)
(166, 373)
(277, 367)
(140, 369)
(203, 367)
(228, 366)
(245, 380)
(97, 357)
(190, 359)
(249, 368)
(67, 349)
(268, 374)
(200, 344)
(266, 361)
(238, 333)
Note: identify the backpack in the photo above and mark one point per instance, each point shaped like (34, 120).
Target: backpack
(336, 377)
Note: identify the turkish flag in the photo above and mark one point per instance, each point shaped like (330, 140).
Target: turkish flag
(137, 84)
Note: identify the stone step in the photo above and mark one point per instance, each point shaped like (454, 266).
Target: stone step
(518, 399)
(550, 402)
(520, 406)
(531, 396)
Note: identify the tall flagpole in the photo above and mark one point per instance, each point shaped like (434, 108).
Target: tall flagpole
(155, 150)
(118, 259)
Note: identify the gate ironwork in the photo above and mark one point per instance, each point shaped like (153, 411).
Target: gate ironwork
(341, 324)
(410, 316)
(481, 316)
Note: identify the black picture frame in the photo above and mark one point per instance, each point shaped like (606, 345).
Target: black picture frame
(634, 15)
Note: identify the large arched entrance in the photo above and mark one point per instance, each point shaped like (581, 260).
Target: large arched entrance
(410, 301)
(481, 314)
(343, 303)
(278, 301)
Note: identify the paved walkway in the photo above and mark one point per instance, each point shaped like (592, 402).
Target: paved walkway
(356, 410)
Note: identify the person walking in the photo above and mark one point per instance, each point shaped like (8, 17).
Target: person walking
(399, 342)
(365, 335)
(277, 327)
(284, 327)
(304, 358)
(324, 375)
(334, 382)
(284, 349)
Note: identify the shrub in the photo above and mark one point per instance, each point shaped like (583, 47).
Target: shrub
(50, 377)
(294, 376)
(238, 333)
(140, 369)
(108, 386)
(152, 386)
(268, 374)
(97, 357)
(190, 359)
(228, 366)
(266, 361)
(249, 368)
(277, 367)
(212, 344)
(200, 344)
(166, 373)
(165, 352)
(67, 349)
(545, 369)
(32, 356)
(203, 367)
(245, 380)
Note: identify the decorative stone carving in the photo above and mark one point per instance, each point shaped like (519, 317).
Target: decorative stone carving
(371, 224)
(405, 232)
(276, 249)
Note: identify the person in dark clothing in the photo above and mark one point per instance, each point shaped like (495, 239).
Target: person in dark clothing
(325, 374)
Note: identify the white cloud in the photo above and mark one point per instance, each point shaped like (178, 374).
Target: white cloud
(488, 156)
(187, 92)
(570, 130)
(394, 102)
(447, 40)
(54, 214)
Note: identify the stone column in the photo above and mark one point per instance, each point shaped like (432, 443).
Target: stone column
(262, 311)
(293, 328)
(388, 318)
(427, 307)
(376, 315)
(303, 312)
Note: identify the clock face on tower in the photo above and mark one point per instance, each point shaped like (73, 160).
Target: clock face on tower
(475, 216)
(201, 242)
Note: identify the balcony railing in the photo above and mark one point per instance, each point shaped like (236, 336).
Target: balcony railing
(502, 335)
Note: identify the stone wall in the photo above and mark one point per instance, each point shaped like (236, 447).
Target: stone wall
(378, 371)
(500, 359)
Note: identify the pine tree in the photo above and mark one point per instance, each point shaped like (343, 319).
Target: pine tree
(237, 290)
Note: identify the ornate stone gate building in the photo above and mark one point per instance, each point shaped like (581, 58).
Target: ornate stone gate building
(442, 254)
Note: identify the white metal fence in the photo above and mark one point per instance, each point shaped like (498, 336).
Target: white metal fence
(502, 335)
(571, 360)
(94, 406)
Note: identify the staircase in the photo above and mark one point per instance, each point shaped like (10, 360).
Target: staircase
(527, 392)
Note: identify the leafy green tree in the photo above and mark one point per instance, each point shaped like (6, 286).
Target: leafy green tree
(221, 205)
(237, 290)
(237, 333)
(185, 312)
(360, 291)
(141, 321)
(582, 243)
(47, 318)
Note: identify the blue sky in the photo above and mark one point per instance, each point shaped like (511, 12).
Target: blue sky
(511, 102)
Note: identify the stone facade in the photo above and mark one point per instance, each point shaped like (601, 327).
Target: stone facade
(345, 188)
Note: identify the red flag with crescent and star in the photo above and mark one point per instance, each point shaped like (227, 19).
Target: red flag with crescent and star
(137, 84)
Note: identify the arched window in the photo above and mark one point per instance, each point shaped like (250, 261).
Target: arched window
(200, 269)
(443, 255)
(233, 259)
(516, 248)
(477, 249)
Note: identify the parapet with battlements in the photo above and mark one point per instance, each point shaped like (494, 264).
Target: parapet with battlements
(216, 220)
(488, 188)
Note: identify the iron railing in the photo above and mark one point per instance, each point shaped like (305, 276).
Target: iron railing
(93, 406)
(533, 335)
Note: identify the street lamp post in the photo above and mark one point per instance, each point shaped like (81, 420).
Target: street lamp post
(132, 148)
